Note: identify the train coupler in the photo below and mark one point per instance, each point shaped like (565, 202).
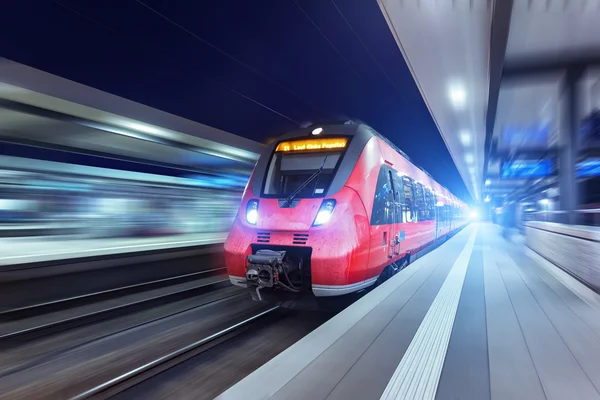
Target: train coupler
(263, 268)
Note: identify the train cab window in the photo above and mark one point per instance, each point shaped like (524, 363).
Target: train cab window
(384, 199)
(408, 205)
(288, 172)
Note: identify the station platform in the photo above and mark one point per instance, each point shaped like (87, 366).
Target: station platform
(15, 251)
(480, 317)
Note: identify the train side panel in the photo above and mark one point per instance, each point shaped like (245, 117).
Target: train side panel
(341, 248)
(363, 180)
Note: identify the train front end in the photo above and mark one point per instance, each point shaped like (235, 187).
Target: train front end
(300, 231)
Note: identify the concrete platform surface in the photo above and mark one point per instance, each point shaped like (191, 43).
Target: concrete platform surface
(22, 251)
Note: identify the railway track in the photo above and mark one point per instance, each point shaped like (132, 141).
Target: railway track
(85, 358)
(22, 324)
(39, 308)
(105, 343)
(111, 358)
(146, 371)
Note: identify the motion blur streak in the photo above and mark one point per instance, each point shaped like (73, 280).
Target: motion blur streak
(47, 199)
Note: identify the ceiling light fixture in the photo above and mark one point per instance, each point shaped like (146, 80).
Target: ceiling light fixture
(465, 137)
(458, 96)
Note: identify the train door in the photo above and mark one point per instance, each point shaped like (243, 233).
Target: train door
(421, 212)
(383, 216)
(393, 228)
(396, 219)
(436, 215)
(409, 215)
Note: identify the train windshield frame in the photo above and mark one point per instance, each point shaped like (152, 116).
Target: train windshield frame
(287, 171)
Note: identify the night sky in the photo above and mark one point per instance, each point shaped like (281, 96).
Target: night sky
(254, 68)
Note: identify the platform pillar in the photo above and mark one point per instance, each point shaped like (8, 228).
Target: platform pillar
(568, 127)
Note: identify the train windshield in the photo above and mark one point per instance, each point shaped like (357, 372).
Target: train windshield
(289, 172)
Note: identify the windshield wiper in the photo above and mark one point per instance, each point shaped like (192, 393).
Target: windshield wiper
(311, 178)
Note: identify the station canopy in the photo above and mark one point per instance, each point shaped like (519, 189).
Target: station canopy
(493, 72)
(44, 110)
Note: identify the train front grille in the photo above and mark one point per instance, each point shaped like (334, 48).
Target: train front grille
(300, 238)
(263, 237)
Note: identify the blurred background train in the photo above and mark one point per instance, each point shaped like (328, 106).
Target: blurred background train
(333, 210)
(44, 198)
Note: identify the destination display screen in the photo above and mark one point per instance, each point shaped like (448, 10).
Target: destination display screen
(312, 145)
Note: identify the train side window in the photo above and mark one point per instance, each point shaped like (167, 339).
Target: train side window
(384, 199)
(429, 205)
(434, 206)
(408, 205)
(399, 186)
(392, 185)
(396, 198)
(443, 215)
(420, 206)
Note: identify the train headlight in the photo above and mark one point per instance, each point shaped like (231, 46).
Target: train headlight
(325, 212)
(252, 212)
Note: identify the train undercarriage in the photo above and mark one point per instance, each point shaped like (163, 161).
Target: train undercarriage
(281, 275)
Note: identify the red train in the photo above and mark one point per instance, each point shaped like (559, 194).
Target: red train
(332, 210)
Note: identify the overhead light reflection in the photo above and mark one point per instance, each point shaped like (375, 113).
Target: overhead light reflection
(142, 128)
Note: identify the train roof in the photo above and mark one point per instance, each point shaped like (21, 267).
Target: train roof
(358, 128)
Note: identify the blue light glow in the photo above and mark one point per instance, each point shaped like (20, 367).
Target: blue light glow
(589, 167)
(527, 169)
(532, 135)
(220, 182)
